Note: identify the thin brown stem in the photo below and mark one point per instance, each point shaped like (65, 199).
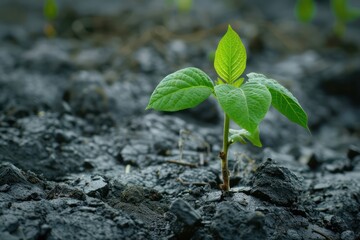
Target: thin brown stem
(225, 186)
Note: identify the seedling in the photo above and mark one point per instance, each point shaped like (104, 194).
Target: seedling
(244, 103)
(50, 12)
(343, 13)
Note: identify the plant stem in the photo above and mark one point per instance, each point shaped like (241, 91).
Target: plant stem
(223, 155)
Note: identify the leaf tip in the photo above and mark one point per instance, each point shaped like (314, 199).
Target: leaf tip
(148, 107)
(230, 30)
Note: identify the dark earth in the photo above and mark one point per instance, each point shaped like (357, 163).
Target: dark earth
(80, 158)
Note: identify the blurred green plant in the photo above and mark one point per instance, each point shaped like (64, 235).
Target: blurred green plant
(50, 12)
(305, 12)
(181, 5)
(343, 14)
(244, 103)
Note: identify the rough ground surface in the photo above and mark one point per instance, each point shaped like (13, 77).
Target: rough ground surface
(81, 159)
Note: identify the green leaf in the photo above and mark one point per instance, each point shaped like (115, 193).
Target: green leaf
(282, 99)
(340, 8)
(343, 12)
(246, 105)
(305, 10)
(239, 135)
(230, 56)
(182, 89)
(50, 9)
(219, 81)
(254, 137)
(238, 82)
(184, 5)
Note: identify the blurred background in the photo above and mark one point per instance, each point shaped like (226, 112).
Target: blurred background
(100, 60)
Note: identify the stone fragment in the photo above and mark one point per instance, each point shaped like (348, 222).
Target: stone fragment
(276, 184)
(185, 212)
(9, 174)
(353, 152)
(187, 219)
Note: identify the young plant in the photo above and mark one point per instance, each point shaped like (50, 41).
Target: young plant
(305, 12)
(50, 12)
(244, 103)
